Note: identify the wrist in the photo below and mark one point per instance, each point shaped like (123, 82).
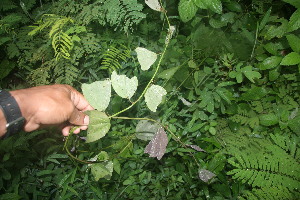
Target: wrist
(11, 114)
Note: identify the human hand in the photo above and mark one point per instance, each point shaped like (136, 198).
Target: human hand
(59, 105)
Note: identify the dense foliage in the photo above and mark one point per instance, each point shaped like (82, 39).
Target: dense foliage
(231, 72)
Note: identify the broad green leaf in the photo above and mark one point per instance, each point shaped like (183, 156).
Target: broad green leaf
(265, 19)
(117, 165)
(145, 130)
(102, 156)
(154, 5)
(187, 10)
(273, 74)
(98, 127)
(294, 22)
(224, 94)
(213, 5)
(124, 86)
(97, 94)
(168, 73)
(102, 170)
(153, 96)
(292, 58)
(251, 75)
(200, 4)
(294, 42)
(255, 93)
(145, 57)
(273, 48)
(270, 62)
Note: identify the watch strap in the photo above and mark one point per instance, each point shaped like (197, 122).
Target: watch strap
(12, 113)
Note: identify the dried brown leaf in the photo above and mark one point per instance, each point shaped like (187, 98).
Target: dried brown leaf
(157, 146)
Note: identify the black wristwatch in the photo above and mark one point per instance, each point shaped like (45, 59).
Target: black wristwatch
(9, 106)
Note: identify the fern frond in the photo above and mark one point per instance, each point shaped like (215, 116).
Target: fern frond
(113, 56)
(263, 163)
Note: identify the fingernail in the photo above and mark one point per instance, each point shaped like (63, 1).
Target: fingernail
(86, 120)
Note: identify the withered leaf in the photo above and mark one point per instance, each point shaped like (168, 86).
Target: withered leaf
(197, 148)
(205, 175)
(157, 146)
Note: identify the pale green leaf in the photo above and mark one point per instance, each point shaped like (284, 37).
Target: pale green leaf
(154, 5)
(117, 165)
(200, 4)
(294, 42)
(213, 5)
(145, 130)
(187, 10)
(98, 127)
(294, 22)
(124, 86)
(292, 58)
(145, 57)
(168, 73)
(270, 62)
(102, 170)
(97, 94)
(153, 96)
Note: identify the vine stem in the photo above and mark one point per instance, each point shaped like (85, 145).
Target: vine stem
(152, 78)
(165, 127)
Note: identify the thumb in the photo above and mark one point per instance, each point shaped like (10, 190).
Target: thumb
(79, 118)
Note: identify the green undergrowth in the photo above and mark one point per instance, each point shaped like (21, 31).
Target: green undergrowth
(229, 107)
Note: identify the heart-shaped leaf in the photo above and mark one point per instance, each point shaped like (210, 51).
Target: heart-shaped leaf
(154, 5)
(153, 96)
(124, 86)
(98, 127)
(145, 57)
(97, 94)
(102, 170)
(157, 146)
(145, 130)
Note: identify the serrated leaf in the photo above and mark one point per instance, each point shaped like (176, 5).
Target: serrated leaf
(251, 75)
(145, 57)
(205, 175)
(97, 94)
(214, 5)
(154, 5)
(187, 10)
(157, 146)
(294, 22)
(124, 86)
(98, 127)
(292, 58)
(145, 130)
(294, 42)
(102, 170)
(153, 96)
(270, 62)
(168, 73)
